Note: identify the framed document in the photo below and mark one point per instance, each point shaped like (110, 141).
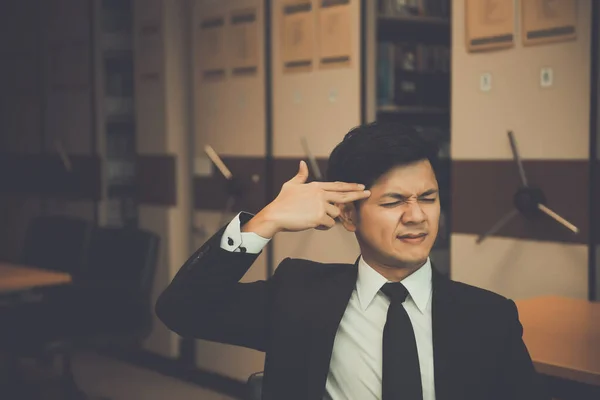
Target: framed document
(243, 42)
(150, 50)
(490, 24)
(335, 34)
(547, 21)
(297, 40)
(211, 41)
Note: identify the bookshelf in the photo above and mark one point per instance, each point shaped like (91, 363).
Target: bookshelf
(407, 46)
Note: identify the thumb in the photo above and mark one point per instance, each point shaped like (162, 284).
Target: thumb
(302, 174)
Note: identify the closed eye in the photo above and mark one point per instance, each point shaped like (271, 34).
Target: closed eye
(390, 205)
(429, 200)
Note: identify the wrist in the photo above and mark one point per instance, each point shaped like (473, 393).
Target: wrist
(262, 224)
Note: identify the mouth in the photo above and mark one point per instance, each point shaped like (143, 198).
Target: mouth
(413, 238)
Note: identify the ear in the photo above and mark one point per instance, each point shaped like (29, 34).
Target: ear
(348, 216)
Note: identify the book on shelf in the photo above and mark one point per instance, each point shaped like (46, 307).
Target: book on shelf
(412, 74)
(415, 8)
(385, 73)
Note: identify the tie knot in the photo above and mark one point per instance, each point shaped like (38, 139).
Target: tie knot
(395, 291)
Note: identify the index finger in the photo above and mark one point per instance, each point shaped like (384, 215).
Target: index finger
(346, 197)
(341, 186)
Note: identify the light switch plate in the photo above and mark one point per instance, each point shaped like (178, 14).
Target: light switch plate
(485, 82)
(333, 95)
(297, 97)
(546, 77)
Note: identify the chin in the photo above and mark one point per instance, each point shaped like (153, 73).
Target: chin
(417, 262)
(411, 255)
(404, 261)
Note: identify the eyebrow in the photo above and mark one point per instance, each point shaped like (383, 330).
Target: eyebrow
(404, 197)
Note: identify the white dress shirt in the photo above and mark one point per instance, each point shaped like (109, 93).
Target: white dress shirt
(356, 362)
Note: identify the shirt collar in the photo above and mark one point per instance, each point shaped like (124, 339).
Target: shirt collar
(418, 284)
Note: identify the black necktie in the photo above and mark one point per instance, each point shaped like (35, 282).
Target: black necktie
(401, 373)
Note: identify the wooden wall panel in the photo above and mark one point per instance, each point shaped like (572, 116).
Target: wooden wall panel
(229, 115)
(321, 105)
(552, 130)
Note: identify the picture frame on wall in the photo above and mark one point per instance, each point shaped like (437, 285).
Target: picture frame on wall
(297, 33)
(489, 24)
(243, 42)
(211, 41)
(548, 21)
(335, 34)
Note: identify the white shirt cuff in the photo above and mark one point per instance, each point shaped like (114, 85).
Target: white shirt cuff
(236, 241)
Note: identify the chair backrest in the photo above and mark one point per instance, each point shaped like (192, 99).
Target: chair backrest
(58, 243)
(123, 259)
(254, 386)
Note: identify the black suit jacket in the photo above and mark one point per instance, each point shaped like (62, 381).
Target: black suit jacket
(294, 316)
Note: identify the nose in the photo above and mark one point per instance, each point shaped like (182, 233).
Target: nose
(413, 214)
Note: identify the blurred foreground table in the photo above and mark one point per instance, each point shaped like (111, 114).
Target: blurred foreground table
(563, 337)
(15, 278)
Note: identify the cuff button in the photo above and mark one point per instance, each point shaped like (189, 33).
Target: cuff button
(230, 241)
(242, 249)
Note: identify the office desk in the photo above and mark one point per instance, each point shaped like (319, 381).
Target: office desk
(14, 278)
(563, 337)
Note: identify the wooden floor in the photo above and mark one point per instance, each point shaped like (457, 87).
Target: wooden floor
(102, 377)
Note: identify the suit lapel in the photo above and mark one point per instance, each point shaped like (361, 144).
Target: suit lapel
(444, 327)
(330, 294)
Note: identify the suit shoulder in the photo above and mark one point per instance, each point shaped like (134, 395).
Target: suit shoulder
(476, 295)
(479, 304)
(304, 267)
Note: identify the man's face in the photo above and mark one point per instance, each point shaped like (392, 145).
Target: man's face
(398, 224)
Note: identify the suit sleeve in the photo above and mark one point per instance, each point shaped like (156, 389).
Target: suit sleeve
(205, 300)
(520, 379)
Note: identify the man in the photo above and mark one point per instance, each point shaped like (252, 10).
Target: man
(388, 327)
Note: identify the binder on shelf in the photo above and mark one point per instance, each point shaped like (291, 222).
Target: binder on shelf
(413, 75)
(385, 73)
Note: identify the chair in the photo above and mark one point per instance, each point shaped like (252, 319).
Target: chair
(58, 243)
(254, 386)
(109, 303)
(116, 289)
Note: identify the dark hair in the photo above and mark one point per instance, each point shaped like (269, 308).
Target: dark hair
(369, 151)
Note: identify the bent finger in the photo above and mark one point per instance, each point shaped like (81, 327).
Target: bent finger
(326, 223)
(332, 210)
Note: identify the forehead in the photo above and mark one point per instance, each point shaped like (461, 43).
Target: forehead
(407, 179)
